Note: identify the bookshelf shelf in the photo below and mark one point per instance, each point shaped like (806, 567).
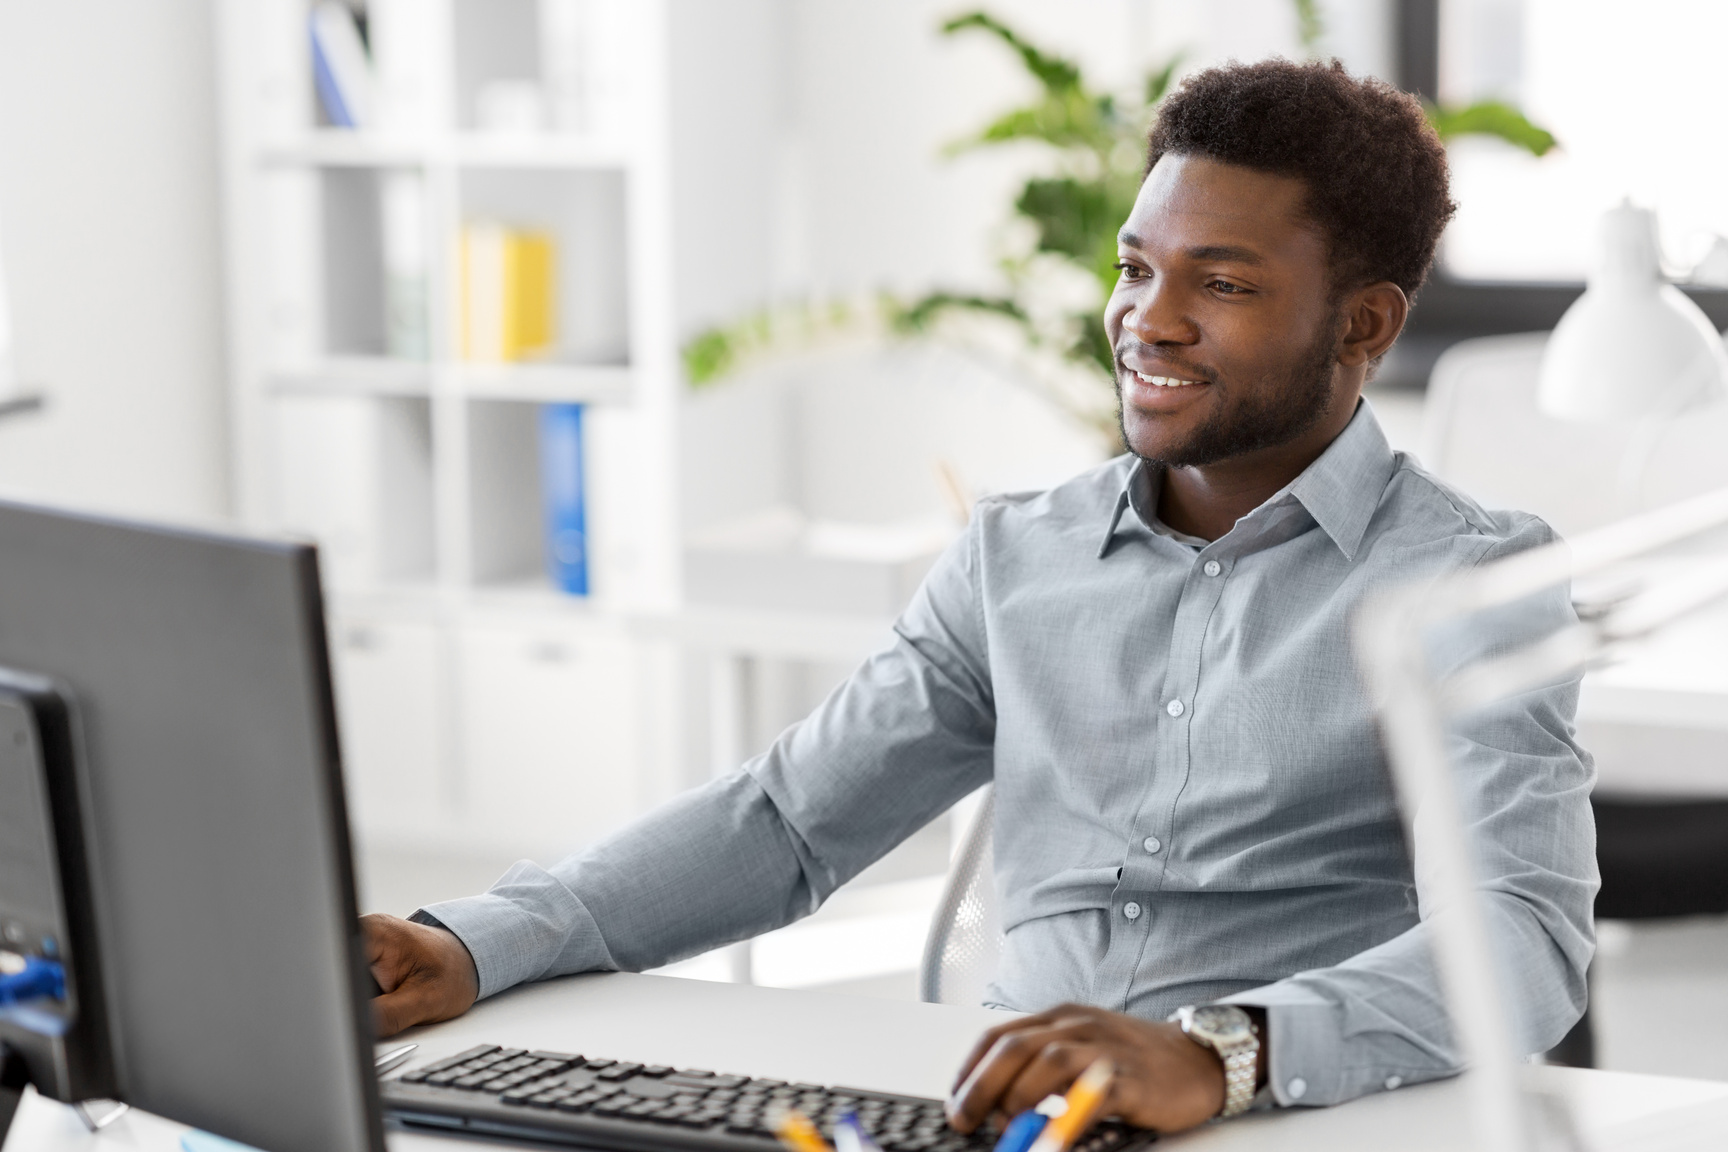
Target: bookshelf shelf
(348, 148)
(355, 376)
(529, 382)
(545, 383)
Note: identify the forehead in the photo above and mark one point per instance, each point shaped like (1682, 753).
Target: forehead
(1195, 201)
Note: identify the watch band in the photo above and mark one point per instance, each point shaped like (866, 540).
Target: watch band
(1239, 1076)
(1240, 1054)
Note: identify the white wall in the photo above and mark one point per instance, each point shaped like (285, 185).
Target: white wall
(109, 206)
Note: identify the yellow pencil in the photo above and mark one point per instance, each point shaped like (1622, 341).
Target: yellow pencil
(798, 1134)
(1084, 1101)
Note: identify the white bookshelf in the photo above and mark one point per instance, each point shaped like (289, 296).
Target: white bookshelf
(469, 685)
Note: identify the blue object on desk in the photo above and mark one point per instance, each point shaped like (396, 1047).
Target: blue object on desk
(563, 494)
(1021, 1131)
(38, 978)
(196, 1141)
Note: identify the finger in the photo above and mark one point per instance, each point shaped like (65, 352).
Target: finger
(990, 1038)
(1052, 1071)
(974, 1100)
(391, 1013)
(389, 955)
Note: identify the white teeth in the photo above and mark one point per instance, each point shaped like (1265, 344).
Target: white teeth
(1165, 381)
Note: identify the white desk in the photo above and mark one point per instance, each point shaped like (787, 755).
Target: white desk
(914, 1048)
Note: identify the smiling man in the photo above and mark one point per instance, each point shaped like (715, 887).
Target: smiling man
(1201, 863)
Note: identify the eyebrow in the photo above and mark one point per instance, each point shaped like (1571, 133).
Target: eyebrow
(1204, 252)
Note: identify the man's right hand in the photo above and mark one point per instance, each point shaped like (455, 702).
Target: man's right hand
(426, 973)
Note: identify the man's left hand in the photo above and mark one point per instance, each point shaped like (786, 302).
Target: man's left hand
(1163, 1080)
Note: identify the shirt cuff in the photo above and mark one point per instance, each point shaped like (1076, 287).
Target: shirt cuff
(1309, 1062)
(521, 927)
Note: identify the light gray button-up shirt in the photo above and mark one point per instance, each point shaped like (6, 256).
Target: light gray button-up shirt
(1191, 800)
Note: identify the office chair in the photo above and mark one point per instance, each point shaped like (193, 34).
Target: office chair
(1660, 855)
(965, 939)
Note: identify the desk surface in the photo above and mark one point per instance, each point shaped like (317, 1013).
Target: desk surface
(913, 1048)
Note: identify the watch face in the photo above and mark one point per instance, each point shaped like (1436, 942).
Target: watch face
(1223, 1023)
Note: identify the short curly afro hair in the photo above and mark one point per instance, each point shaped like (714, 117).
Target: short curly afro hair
(1375, 170)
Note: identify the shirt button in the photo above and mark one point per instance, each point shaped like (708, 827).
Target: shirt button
(1394, 1082)
(1151, 844)
(1297, 1088)
(1213, 568)
(1131, 910)
(1174, 708)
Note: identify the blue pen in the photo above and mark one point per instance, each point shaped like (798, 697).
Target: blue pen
(1024, 1128)
(850, 1136)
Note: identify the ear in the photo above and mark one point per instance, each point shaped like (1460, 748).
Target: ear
(1376, 314)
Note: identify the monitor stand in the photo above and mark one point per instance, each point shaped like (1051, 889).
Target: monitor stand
(15, 1077)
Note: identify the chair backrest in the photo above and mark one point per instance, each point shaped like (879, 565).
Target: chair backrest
(965, 939)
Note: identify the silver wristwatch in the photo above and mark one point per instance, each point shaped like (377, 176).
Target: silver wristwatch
(1230, 1032)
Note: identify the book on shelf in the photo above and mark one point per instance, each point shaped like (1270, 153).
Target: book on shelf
(508, 293)
(563, 495)
(341, 71)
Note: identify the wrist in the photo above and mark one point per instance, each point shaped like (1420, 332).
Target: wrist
(1232, 1036)
(1263, 1061)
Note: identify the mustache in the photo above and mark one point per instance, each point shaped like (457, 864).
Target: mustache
(1174, 366)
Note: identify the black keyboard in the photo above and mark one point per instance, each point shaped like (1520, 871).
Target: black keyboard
(616, 1104)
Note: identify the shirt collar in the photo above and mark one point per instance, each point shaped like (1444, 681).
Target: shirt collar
(1340, 489)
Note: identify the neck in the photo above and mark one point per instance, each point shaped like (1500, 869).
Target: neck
(1207, 500)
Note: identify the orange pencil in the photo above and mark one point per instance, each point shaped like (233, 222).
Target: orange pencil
(1085, 1099)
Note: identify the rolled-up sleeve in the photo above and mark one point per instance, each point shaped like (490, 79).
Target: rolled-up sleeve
(908, 734)
(1379, 1019)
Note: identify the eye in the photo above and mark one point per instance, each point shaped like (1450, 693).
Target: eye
(1129, 271)
(1225, 288)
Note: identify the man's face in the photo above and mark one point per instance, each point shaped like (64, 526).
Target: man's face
(1224, 331)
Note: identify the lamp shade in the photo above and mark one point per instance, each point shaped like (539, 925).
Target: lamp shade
(1632, 345)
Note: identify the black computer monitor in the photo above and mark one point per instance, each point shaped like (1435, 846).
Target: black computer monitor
(221, 883)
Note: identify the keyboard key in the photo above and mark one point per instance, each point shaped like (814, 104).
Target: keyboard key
(656, 1070)
(685, 1080)
(558, 1057)
(460, 1058)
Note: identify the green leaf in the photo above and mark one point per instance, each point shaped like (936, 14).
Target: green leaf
(1079, 219)
(1309, 26)
(1158, 83)
(1056, 74)
(708, 356)
(918, 316)
(1491, 118)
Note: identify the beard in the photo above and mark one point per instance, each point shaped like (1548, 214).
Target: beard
(1276, 412)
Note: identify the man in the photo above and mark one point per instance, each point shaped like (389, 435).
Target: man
(1152, 664)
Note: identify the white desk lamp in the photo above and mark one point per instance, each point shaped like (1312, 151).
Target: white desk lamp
(1632, 348)
(1628, 603)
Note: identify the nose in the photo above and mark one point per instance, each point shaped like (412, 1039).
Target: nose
(1157, 316)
